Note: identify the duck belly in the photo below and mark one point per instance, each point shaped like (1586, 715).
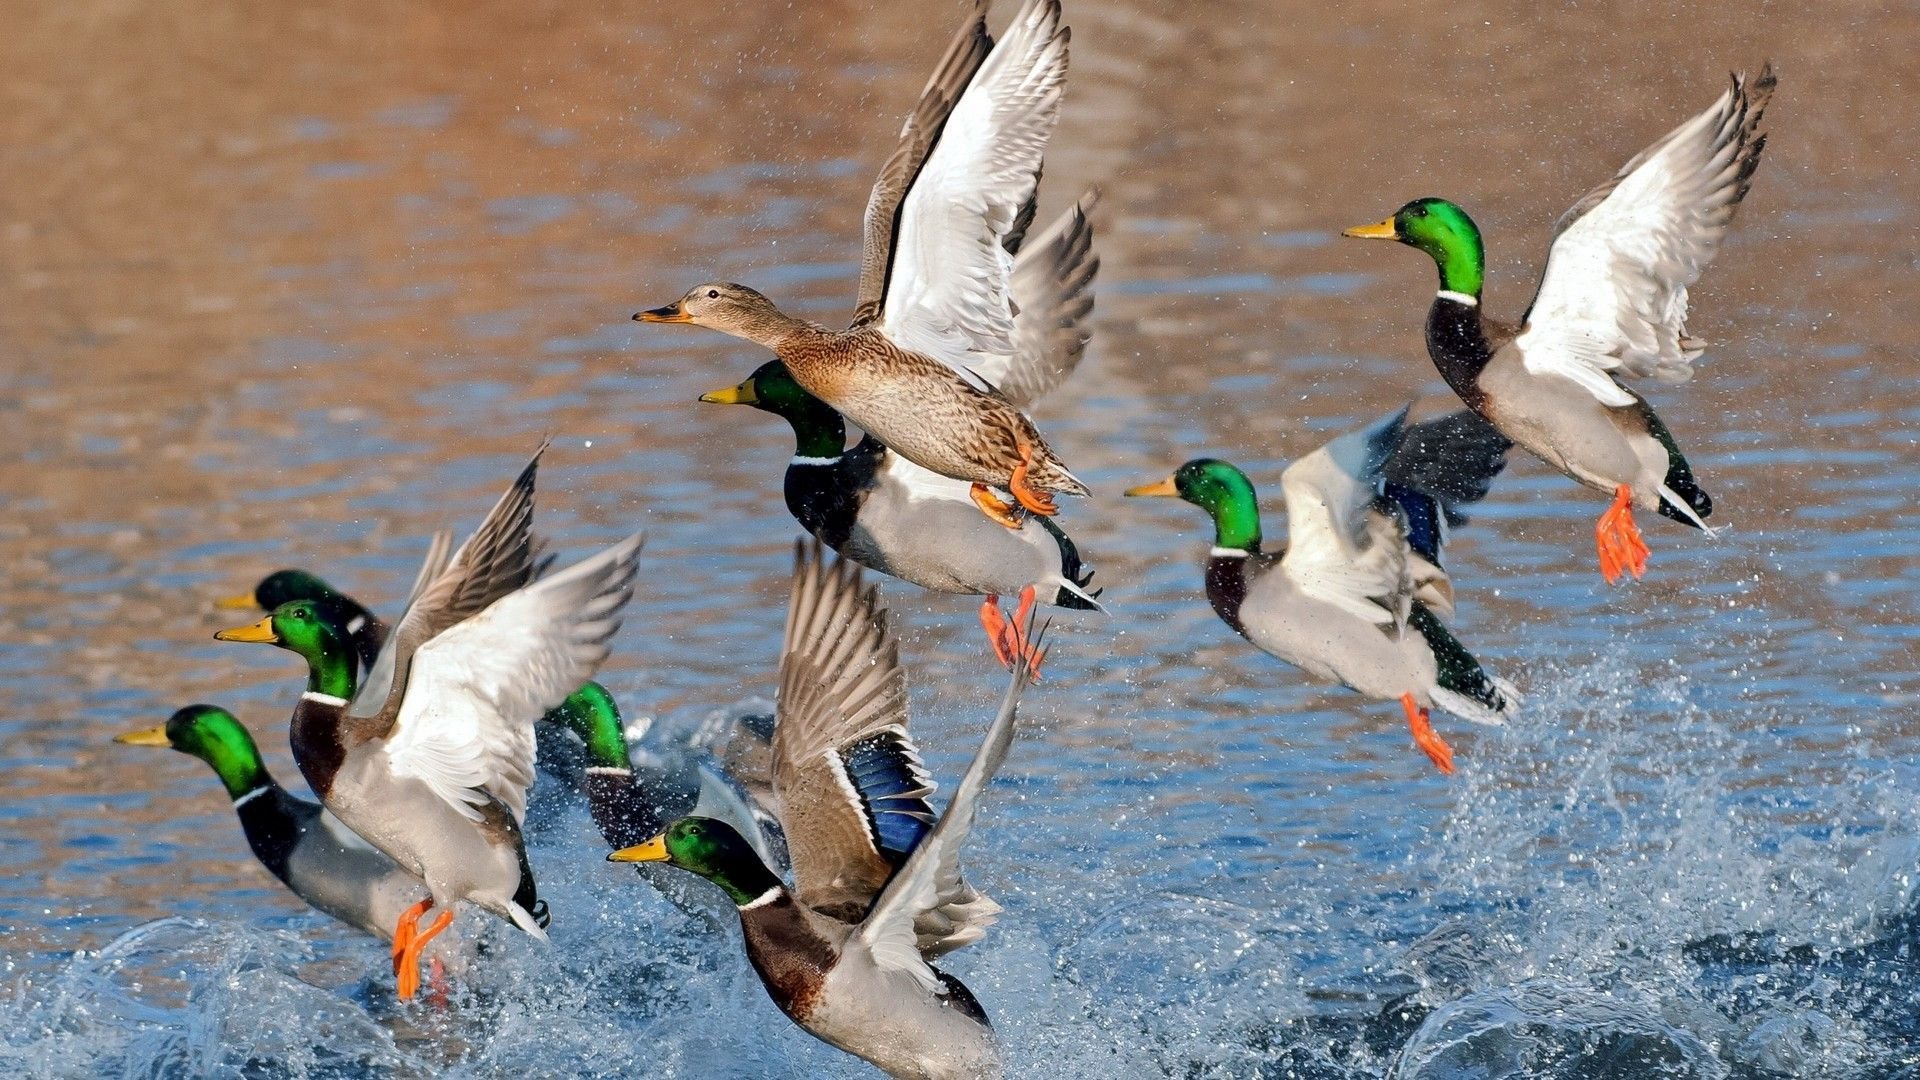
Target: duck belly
(457, 857)
(890, 1021)
(1562, 424)
(930, 533)
(1333, 645)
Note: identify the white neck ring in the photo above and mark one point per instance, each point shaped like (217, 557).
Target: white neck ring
(762, 900)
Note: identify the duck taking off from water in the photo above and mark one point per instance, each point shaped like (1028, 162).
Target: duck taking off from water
(308, 849)
(877, 894)
(934, 305)
(1612, 302)
(430, 760)
(879, 509)
(1357, 594)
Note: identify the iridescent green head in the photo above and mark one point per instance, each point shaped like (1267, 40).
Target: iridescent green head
(712, 849)
(211, 734)
(817, 428)
(314, 629)
(1223, 491)
(1443, 231)
(591, 713)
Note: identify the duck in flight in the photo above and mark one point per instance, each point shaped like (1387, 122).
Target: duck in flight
(1611, 302)
(1357, 594)
(846, 951)
(881, 510)
(935, 301)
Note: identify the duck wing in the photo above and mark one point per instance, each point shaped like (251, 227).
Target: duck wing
(1342, 547)
(847, 779)
(465, 726)
(498, 558)
(949, 284)
(930, 881)
(962, 58)
(1053, 294)
(1614, 294)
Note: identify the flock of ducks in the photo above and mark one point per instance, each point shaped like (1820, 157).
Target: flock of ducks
(419, 737)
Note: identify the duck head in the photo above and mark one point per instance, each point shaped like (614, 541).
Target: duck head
(1444, 232)
(213, 735)
(728, 308)
(281, 587)
(316, 631)
(1223, 491)
(714, 850)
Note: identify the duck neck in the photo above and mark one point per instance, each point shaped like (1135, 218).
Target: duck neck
(819, 435)
(591, 714)
(236, 761)
(317, 734)
(1457, 342)
(330, 668)
(775, 329)
(1236, 520)
(746, 880)
(1460, 256)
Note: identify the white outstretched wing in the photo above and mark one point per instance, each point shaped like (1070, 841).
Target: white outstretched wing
(1053, 292)
(931, 877)
(1340, 548)
(465, 726)
(1614, 295)
(948, 289)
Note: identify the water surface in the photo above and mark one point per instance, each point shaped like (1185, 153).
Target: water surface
(301, 285)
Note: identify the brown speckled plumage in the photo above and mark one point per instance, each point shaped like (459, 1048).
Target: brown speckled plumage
(922, 409)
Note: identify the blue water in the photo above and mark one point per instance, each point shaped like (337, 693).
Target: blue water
(1693, 854)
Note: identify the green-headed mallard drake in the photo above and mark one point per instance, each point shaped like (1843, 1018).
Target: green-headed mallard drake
(631, 800)
(1357, 594)
(879, 509)
(431, 759)
(934, 304)
(877, 889)
(299, 842)
(1612, 302)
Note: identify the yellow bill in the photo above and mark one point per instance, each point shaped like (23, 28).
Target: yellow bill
(744, 394)
(1158, 488)
(153, 736)
(261, 631)
(1384, 230)
(654, 850)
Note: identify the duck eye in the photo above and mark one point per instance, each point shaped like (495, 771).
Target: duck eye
(713, 294)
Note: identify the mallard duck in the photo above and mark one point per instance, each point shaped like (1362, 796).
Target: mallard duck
(934, 301)
(631, 801)
(1612, 302)
(877, 889)
(1357, 594)
(299, 842)
(884, 512)
(430, 761)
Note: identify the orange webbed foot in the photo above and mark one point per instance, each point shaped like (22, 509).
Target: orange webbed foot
(1035, 500)
(1009, 636)
(1424, 737)
(1617, 539)
(992, 506)
(405, 929)
(408, 975)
